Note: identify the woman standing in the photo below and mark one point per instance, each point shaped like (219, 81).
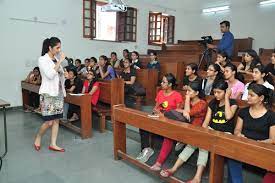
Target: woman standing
(52, 91)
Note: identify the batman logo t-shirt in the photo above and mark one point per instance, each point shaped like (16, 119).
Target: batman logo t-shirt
(218, 120)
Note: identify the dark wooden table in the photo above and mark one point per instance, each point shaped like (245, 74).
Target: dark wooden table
(4, 104)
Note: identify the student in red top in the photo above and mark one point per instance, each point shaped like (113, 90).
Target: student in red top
(166, 100)
(195, 108)
(91, 87)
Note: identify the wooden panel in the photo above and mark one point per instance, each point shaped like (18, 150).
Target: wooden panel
(149, 80)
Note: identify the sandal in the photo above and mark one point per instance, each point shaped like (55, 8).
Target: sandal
(166, 173)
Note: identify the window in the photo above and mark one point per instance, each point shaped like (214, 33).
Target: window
(120, 26)
(161, 28)
(127, 25)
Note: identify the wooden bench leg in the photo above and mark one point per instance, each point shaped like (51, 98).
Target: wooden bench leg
(119, 132)
(102, 121)
(216, 168)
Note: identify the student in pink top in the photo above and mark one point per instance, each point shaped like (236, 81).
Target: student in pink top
(231, 76)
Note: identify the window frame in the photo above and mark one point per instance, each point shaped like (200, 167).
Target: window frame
(124, 31)
(165, 31)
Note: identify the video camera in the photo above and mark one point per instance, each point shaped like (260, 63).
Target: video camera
(206, 40)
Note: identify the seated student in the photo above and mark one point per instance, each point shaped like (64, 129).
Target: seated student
(214, 74)
(222, 59)
(106, 71)
(270, 68)
(154, 63)
(83, 72)
(125, 54)
(191, 75)
(91, 87)
(135, 60)
(256, 122)
(114, 60)
(259, 77)
(166, 100)
(251, 59)
(94, 66)
(220, 117)
(34, 77)
(72, 85)
(129, 76)
(78, 65)
(195, 108)
(231, 75)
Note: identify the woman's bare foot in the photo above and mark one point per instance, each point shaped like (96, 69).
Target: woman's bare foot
(167, 172)
(156, 167)
(37, 141)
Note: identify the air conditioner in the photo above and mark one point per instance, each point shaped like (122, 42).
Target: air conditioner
(114, 6)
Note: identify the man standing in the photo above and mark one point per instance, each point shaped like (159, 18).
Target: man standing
(227, 42)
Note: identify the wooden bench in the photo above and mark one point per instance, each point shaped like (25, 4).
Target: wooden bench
(83, 101)
(148, 78)
(111, 93)
(220, 145)
(266, 52)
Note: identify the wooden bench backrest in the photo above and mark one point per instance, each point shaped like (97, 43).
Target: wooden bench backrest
(265, 52)
(112, 92)
(148, 78)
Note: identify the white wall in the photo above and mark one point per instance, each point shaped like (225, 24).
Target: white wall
(247, 20)
(21, 42)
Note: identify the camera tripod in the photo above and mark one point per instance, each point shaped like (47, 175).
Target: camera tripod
(207, 56)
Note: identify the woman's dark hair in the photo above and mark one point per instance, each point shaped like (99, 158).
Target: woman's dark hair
(105, 68)
(36, 68)
(114, 53)
(154, 53)
(256, 59)
(196, 86)
(217, 68)
(135, 52)
(93, 59)
(126, 50)
(93, 81)
(262, 70)
(237, 75)
(221, 85)
(194, 67)
(73, 71)
(49, 42)
(224, 55)
(78, 60)
(261, 90)
(171, 80)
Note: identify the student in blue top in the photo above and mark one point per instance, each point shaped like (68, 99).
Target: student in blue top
(106, 71)
(154, 63)
(226, 44)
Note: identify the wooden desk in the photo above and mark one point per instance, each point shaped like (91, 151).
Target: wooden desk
(83, 101)
(4, 104)
(220, 145)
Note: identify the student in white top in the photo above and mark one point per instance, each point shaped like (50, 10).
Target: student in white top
(52, 91)
(259, 77)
